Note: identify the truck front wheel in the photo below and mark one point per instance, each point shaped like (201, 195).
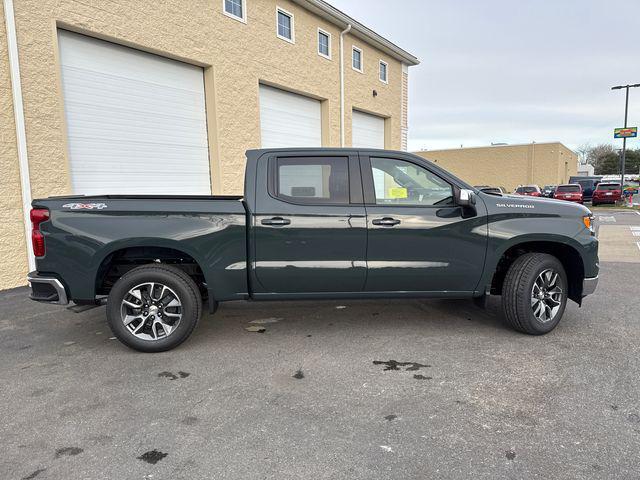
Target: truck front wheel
(154, 308)
(534, 293)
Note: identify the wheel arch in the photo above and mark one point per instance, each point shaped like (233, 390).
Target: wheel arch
(564, 249)
(120, 258)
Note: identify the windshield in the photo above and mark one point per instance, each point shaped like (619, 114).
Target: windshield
(529, 189)
(608, 186)
(568, 189)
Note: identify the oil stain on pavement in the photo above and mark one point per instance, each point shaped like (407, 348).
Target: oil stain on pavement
(34, 474)
(173, 376)
(152, 456)
(68, 452)
(393, 365)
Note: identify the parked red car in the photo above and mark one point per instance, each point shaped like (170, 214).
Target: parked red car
(606, 193)
(571, 192)
(529, 190)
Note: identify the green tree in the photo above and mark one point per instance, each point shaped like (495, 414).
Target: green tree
(609, 163)
(632, 162)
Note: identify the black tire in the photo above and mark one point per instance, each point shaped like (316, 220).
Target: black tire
(594, 204)
(517, 293)
(175, 279)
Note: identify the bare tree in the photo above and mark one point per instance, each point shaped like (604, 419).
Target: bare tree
(596, 155)
(583, 152)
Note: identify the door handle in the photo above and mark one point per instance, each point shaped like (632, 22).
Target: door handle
(386, 221)
(276, 221)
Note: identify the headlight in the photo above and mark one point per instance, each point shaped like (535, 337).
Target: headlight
(588, 222)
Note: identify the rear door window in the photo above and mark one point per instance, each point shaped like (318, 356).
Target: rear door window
(320, 180)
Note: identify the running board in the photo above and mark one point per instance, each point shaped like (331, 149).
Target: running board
(88, 306)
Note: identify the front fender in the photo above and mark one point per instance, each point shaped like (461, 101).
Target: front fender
(509, 230)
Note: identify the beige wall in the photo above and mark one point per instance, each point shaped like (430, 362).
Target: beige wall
(236, 57)
(13, 249)
(510, 165)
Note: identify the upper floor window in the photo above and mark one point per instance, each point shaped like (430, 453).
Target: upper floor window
(285, 25)
(324, 44)
(356, 59)
(384, 67)
(235, 9)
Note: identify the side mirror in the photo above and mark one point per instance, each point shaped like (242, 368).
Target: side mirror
(465, 198)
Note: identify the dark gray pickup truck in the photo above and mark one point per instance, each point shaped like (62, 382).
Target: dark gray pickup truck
(313, 224)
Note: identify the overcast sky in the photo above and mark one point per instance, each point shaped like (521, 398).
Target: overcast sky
(515, 72)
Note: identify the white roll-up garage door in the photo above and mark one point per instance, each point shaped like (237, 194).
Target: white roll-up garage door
(288, 119)
(135, 121)
(367, 131)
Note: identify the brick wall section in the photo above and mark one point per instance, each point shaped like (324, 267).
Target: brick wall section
(509, 166)
(13, 249)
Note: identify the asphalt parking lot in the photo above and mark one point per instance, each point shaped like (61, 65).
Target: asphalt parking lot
(356, 389)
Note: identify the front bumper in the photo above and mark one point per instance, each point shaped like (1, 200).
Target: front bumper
(47, 289)
(589, 286)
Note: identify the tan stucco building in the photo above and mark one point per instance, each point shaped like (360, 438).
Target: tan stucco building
(139, 97)
(509, 165)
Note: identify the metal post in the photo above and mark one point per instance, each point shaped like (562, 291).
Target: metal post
(624, 140)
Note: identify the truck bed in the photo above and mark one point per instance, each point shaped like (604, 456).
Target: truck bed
(107, 233)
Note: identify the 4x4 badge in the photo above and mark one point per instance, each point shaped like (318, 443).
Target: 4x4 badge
(85, 206)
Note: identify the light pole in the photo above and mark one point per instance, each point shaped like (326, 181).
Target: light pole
(624, 139)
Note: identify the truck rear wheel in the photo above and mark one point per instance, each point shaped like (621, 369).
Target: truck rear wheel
(154, 308)
(534, 293)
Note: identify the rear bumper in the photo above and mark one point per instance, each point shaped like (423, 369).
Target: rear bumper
(589, 286)
(47, 289)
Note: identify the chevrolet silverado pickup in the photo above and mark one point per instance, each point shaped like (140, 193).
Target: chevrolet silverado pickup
(312, 224)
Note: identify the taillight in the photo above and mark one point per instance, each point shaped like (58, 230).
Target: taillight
(38, 215)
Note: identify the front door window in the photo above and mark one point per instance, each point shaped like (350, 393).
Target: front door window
(398, 182)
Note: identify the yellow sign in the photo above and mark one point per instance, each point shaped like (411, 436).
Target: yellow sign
(398, 192)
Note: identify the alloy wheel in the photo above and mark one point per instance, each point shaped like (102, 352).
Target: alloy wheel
(547, 295)
(151, 311)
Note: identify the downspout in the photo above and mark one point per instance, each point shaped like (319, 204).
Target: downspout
(21, 136)
(342, 34)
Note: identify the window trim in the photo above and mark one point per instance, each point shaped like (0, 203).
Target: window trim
(369, 186)
(320, 30)
(353, 48)
(386, 71)
(242, 19)
(291, 40)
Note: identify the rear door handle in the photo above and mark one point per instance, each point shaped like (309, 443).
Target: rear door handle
(276, 221)
(386, 221)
